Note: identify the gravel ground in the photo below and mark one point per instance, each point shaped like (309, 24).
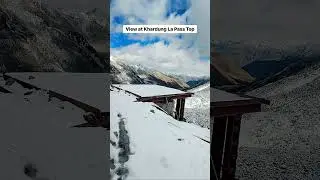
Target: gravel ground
(283, 141)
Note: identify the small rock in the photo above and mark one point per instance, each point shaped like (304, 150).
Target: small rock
(152, 111)
(30, 170)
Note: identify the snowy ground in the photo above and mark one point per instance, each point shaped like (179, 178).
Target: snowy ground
(35, 130)
(283, 141)
(146, 143)
(78, 86)
(197, 107)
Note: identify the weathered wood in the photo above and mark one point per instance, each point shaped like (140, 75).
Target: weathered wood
(231, 147)
(234, 110)
(178, 106)
(217, 144)
(163, 97)
(226, 110)
(183, 101)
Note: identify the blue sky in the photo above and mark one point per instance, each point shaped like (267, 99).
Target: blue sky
(169, 53)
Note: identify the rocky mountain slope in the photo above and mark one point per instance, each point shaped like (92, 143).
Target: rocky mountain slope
(36, 38)
(197, 107)
(263, 61)
(225, 71)
(129, 74)
(282, 142)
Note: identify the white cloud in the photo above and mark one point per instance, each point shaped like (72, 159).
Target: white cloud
(177, 57)
(201, 16)
(169, 59)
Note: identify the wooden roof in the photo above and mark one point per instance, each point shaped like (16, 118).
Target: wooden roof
(224, 103)
(152, 93)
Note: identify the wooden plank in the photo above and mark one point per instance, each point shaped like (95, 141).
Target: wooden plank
(149, 90)
(234, 110)
(183, 101)
(169, 96)
(217, 144)
(178, 105)
(231, 147)
(234, 103)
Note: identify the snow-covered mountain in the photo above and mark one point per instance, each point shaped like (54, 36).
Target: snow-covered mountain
(248, 65)
(124, 73)
(282, 141)
(35, 37)
(197, 107)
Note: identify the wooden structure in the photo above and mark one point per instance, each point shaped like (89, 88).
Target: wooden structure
(87, 91)
(226, 111)
(159, 95)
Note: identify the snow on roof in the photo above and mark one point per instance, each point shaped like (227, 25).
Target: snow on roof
(221, 96)
(36, 131)
(147, 90)
(160, 146)
(90, 88)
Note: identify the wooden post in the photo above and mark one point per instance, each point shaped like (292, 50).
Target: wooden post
(178, 105)
(182, 109)
(231, 147)
(217, 144)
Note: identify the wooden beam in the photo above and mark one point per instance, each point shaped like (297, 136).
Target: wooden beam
(182, 109)
(178, 105)
(234, 103)
(234, 110)
(169, 96)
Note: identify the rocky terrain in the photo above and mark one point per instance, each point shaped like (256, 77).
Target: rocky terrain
(282, 142)
(36, 38)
